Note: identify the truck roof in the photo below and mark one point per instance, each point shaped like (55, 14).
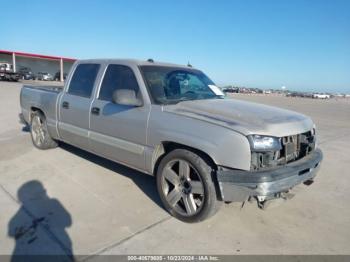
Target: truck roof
(130, 62)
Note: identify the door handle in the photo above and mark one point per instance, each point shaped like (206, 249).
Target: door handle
(95, 111)
(65, 105)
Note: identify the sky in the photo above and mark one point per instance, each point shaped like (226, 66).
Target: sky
(302, 45)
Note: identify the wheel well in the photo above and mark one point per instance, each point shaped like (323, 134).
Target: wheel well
(33, 110)
(168, 146)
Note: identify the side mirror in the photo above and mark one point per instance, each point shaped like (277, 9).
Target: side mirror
(126, 97)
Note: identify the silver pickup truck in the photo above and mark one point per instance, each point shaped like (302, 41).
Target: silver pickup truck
(172, 122)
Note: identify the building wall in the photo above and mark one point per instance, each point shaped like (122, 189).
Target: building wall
(37, 64)
(6, 58)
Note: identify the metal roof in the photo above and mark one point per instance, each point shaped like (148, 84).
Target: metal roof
(125, 61)
(37, 55)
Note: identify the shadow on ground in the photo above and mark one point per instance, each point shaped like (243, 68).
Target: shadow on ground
(144, 182)
(39, 226)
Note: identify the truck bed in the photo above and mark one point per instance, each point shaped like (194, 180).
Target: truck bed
(56, 89)
(43, 98)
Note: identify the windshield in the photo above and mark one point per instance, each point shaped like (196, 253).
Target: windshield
(169, 85)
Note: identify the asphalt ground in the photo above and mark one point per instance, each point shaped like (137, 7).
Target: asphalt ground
(67, 201)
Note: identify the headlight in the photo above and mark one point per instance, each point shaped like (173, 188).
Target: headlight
(264, 143)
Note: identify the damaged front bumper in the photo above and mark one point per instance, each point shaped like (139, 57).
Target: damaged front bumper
(239, 185)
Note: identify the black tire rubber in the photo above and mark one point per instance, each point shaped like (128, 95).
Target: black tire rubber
(211, 203)
(48, 142)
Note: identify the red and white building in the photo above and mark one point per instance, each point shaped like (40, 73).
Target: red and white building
(37, 62)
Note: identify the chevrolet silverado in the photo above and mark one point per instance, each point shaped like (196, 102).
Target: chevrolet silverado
(173, 122)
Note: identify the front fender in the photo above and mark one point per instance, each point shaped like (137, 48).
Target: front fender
(225, 146)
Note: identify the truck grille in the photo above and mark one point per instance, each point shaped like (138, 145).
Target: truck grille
(294, 148)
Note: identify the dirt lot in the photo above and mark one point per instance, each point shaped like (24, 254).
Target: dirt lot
(61, 199)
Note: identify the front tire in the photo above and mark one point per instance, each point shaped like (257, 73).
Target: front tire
(185, 186)
(39, 132)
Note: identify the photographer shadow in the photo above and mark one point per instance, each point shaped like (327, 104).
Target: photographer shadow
(39, 226)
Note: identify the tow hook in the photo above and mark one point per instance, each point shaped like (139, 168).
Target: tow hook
(265, 202)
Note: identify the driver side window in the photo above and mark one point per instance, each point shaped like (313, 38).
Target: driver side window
(117, 77)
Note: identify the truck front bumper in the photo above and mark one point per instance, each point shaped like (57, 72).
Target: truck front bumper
(239, 185)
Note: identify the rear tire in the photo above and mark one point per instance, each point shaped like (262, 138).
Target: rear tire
(40, 136)
(185, 186)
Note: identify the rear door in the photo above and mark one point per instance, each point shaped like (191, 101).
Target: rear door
(75, 104)
(119, 131)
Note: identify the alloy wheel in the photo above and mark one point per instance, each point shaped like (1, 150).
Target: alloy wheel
(182, 187)
(38, 131)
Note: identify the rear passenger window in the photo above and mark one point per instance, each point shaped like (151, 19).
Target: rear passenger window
(83, 80)
(117, 77)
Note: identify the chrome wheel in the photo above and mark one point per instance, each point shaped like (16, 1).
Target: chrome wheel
(182, 187)
(38, 130)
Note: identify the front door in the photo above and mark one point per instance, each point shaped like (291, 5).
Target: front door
(118, 131)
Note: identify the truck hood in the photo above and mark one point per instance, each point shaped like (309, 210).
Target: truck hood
(244, 117)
